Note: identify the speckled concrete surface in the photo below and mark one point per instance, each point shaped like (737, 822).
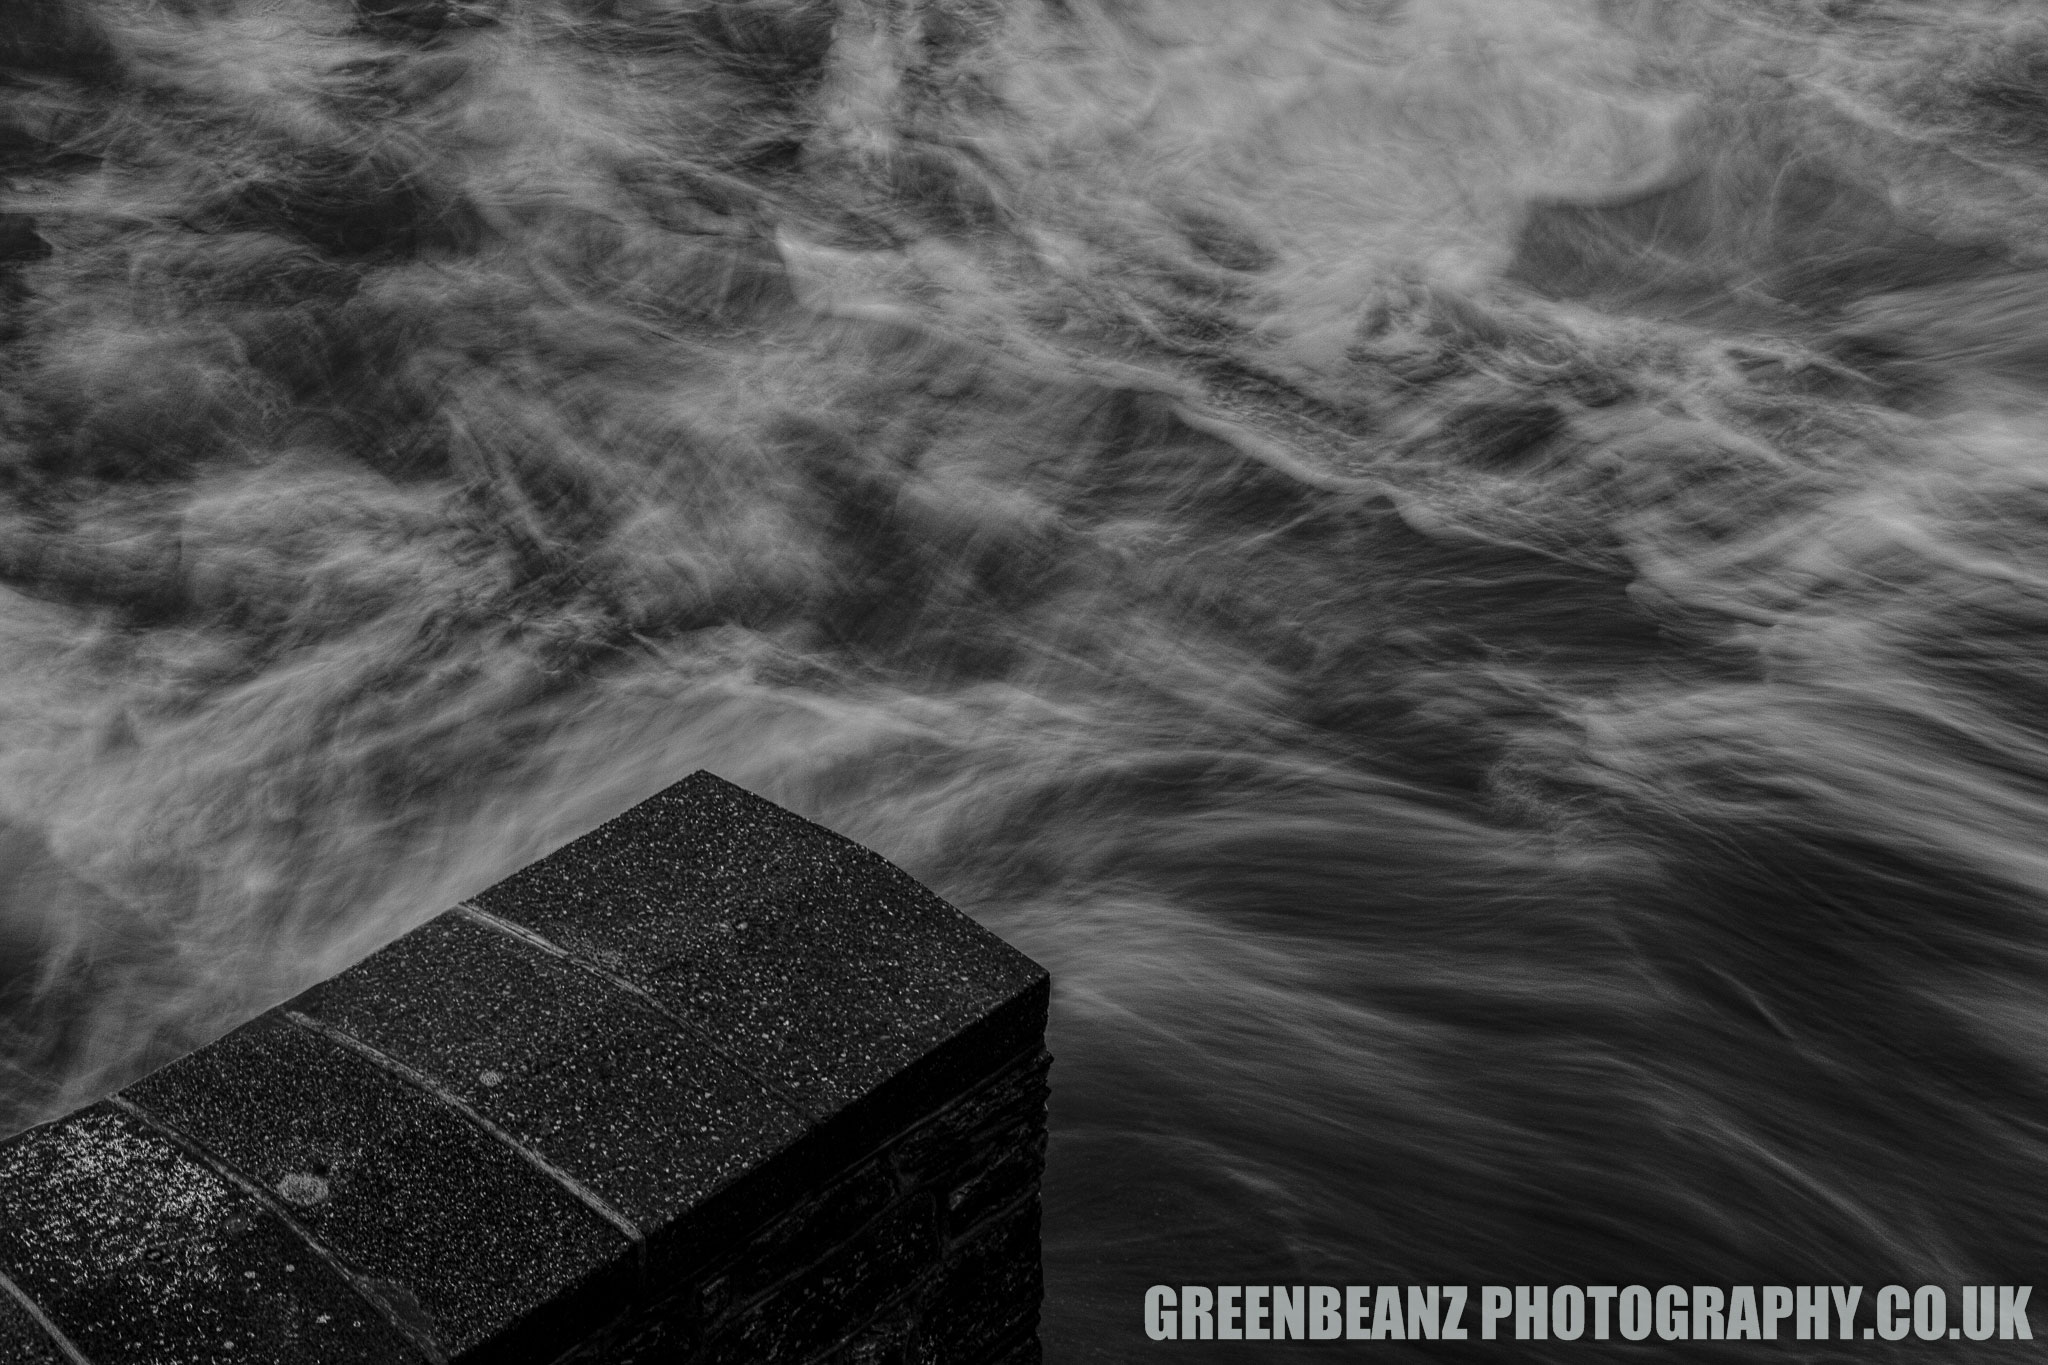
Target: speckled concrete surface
(139, 1252)
(821, 1003)
(23, 1340)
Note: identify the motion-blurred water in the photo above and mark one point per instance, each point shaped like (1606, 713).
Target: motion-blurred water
(1471, 576)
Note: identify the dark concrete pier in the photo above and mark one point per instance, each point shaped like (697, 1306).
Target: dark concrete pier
(709, 1084)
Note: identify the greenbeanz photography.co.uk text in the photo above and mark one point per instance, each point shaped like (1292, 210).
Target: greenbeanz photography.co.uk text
(1772, 1312)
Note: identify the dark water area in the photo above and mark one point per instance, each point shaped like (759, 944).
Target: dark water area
(1472, 578)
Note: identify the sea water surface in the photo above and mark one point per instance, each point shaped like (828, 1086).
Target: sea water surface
(1471, 576)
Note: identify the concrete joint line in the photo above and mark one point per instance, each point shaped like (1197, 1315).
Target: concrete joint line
(541, 943)
(199, 1152)
(42, 1320)
(588, 1197)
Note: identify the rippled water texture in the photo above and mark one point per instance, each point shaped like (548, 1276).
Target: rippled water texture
(1471, 576)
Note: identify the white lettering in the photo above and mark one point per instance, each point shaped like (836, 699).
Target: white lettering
(1635, 1312)
(1495, 1303)
(1706, 1313)
(1325, 1320)
(1357, 1303)
(1160, 1322)
(1980, 1318)
(2012, 1313)
(1194, 1312)
(1777, 1307)
(1422, 1313)
(1602, 1295)
(1532, 1312)
(1386, 1314)
(1930, 1313)
(1845, 1309)
(1229, 1312)
(1742, 1319)
(1892, 1322)
(1454, 1311)
(1811, 1312)
(1672, 1322)
(1568, 1313)
(1287, 1312)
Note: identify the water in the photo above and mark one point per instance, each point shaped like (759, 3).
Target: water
(1471, 577)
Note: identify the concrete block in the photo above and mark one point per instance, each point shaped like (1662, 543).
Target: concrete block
(708, 1084)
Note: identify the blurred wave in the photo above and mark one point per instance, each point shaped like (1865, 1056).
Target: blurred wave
(1472, 578)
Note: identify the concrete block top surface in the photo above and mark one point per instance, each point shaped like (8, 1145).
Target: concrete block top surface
(523, 1117)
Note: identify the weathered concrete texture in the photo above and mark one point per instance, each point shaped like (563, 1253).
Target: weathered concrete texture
(710, 1084)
